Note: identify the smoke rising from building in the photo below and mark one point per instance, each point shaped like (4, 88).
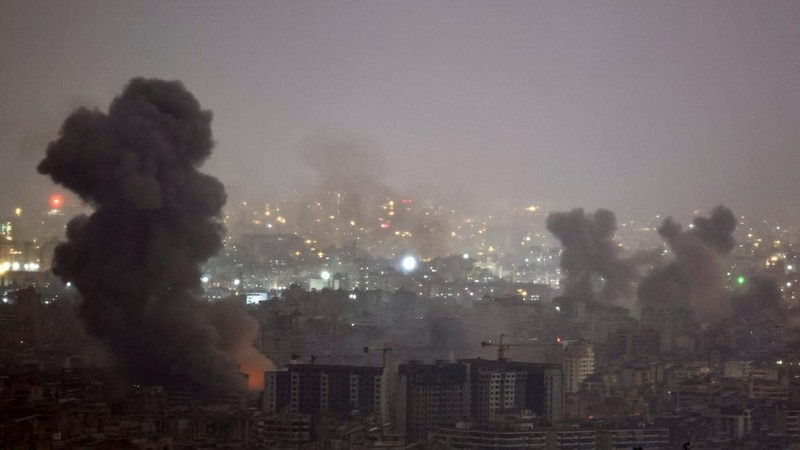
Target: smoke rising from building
(761, 295)
(350, 172)
(591, 255)
(136, 259)
(694, 279)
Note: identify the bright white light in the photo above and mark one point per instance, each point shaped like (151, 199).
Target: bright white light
(69, 284)
(790, 267)
(409, 263)
(205, 279)
(466, 255)
(558, 308)
(237, 282)
(15, 266)
(325, 275)
(352, 296)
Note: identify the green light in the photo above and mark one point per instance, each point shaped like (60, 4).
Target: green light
(740, 280)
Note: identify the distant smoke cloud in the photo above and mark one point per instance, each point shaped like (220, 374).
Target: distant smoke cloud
(355, 170)
(694, 279)
(589, 251)
(136, 259)
(349, 163)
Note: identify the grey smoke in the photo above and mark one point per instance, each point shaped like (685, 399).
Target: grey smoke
(590, 253)
(136, 259)
(694, 279)
(355, 168)
(762, 295)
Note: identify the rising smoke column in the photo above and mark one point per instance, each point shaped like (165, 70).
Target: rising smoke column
(694, 279)
(589, 250)
(136, 259)
(355, 168)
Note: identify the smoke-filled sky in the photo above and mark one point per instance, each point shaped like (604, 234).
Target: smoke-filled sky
(641, 107)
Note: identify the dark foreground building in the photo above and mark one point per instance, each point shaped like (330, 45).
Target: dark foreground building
(441, 394)
(319, 389)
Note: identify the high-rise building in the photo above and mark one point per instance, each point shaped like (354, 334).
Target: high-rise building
(506, 385)
(578, 364)
(437, 395)
(317, 389)
(635, 342)
(429, 396)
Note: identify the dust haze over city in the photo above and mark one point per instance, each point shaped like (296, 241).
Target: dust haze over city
(447, 224)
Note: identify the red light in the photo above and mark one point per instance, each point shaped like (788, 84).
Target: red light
(56, 201)
(384, 225)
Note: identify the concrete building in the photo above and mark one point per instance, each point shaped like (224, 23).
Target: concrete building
(578, 364)
(630, 438)
(507, 385)
(432, 396)
(315, 389)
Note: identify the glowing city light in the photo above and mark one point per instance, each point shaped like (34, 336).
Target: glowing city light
(740, 280)
(56, 201)
(325, 275)
(409, 263)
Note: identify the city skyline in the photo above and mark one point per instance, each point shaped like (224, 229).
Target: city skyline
(656, 108)
(386, 225)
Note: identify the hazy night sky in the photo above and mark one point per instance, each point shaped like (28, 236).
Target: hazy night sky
(641, 107)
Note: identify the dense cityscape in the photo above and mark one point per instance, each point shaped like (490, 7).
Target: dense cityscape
(380, 341)
(417, 224)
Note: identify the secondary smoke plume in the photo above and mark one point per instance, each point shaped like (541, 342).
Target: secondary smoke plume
(588, 251)
(694, 278)
(761, 296)
(350, 172)
(136, 259)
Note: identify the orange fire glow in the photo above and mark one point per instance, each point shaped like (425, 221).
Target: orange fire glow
(254, 364)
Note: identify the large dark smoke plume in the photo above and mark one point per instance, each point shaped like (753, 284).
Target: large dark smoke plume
(694, 279)
(589, 251)
(136, 259)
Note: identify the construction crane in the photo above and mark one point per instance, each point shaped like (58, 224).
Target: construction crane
(502, 346)
(383, 349)
(386, 348)
(312, 359)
